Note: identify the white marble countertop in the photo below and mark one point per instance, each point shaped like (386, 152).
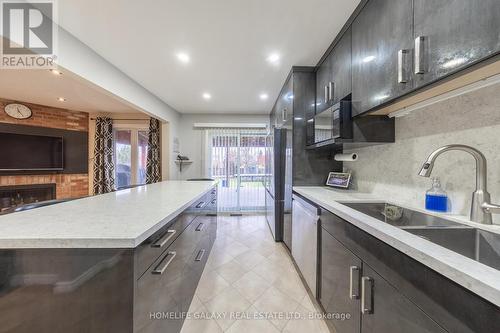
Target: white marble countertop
(472, 275)
(122, 219)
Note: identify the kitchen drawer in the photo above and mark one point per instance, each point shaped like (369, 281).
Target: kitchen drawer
(169, 284)
(155, 245)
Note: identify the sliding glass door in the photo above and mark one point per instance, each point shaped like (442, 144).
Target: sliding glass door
(237, 159)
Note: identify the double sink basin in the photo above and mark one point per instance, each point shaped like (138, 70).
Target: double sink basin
(477, 244)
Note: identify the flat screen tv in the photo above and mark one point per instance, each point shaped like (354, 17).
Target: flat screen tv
(20, 152)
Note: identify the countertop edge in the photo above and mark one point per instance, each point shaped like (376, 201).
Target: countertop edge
(453, 272)
(97, 243)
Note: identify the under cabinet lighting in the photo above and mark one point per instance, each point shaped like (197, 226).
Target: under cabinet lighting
(264, 96)
(368, 59)
(492, 80)
(454, 63)
(61, 99)
(206, 96)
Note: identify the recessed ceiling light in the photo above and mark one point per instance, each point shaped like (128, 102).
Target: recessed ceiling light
(61, 99)
(207, 96)
(183, 57)
(263, 96)
(55, 72)
(273, 58)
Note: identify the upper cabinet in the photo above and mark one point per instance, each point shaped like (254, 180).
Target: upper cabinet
(333, 77)
(400, 46)
(451, 34)
(382, 37)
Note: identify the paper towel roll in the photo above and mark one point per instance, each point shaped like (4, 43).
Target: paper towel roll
(346, 157)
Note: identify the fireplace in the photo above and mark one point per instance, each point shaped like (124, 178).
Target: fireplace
(18, 195)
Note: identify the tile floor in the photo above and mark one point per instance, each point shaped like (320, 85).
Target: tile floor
(250, 285)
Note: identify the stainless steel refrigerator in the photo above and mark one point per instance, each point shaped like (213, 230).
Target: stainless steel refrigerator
(275, 181)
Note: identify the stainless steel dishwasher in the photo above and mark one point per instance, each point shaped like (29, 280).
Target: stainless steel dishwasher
(305, 219)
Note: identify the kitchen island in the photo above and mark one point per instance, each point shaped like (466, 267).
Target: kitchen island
(127, 261)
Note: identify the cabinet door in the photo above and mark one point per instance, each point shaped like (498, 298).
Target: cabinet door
(455, 33)
(386, 310)
(340, 283)
(381, 30)
(323, 77)
(340, 63)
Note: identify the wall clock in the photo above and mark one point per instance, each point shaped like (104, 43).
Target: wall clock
(18, 111)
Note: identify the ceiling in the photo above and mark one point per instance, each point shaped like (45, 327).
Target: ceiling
(228, 43)
(43, 87)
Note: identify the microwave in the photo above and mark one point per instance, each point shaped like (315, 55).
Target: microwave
(333, 123)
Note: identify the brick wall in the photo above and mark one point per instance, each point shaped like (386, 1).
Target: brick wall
(67, 185)
(45, 116)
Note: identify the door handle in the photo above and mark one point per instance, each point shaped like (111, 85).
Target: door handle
(331, 87)
(419, 55)
(366, 295)
(402, 73)
(200, 255)
(200, 227)
(162, 266)
(164, 239)
(326, 94)
(354, 282)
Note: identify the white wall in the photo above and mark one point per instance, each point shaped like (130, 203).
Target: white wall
(75, 56)
(390, 170)
(191, 139)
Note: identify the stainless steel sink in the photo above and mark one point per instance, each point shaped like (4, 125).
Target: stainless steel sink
(399, 216)
(479, 245)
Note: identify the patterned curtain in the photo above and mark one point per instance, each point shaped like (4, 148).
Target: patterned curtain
(104, 167)
(153, 174)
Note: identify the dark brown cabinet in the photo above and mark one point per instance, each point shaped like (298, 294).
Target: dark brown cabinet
(452, 34)
(385, 309)
(333, 76)
(340, 283)
(397, 293)
(401, 46)
(350, 286)
(382, 37)
(142, 289)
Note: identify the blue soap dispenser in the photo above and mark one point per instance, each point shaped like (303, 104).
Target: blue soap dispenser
(436, 198)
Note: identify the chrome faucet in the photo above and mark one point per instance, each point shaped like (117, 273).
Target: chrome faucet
(481, 208)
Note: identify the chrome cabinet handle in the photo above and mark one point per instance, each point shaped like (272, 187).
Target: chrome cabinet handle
(162, 266)
(326, 94)
(331, 87)
(200, 255)
(354, 282)
(164, 239)
(366, 295)
(419, 55)
(200, 204)
(199, 227)
(402, 73)
(283, 114)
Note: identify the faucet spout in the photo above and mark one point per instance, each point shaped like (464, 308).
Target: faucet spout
(481, 206)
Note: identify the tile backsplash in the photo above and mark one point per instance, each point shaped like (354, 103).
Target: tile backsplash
(391, 170)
